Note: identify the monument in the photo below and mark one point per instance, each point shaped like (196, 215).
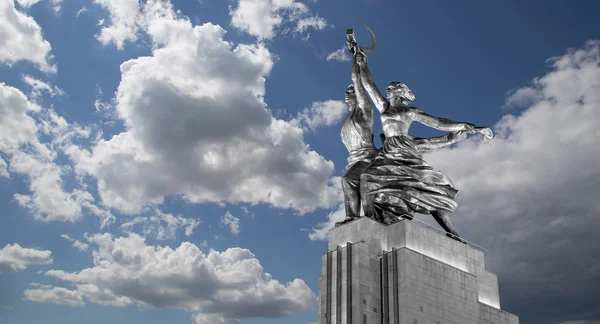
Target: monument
(382, 266)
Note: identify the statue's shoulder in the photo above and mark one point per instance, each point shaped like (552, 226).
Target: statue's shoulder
(411, 109)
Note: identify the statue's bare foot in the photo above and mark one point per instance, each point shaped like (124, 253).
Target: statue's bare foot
(345, 221)
(407, 216)
(456, 237)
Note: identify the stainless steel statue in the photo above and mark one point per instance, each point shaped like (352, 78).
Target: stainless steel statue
(394, 181)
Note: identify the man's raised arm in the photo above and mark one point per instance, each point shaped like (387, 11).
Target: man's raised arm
(361, 97)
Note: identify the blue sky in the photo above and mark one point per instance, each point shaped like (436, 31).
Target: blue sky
(180, 160)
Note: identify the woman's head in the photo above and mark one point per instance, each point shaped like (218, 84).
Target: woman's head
(398, 93)
(350, 96)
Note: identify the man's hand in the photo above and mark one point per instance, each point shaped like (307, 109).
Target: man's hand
(352, 46)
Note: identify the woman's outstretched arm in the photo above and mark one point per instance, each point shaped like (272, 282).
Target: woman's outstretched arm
(442, 124)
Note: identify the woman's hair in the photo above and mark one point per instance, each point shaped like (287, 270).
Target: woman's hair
(407, 99)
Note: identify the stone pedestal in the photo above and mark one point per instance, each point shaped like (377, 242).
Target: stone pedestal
(405, 273)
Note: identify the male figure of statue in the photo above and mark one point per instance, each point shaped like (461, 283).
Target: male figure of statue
(399, 181)
(357, 136)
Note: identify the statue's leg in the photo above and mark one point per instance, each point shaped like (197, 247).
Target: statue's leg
(443, 218)
(351, 188)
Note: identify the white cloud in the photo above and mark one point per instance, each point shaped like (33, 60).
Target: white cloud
(102, 296)
(531, 197)
(163, 226)
(322, 113)
(197, 127)
(81, 246)
(232, 222)
(340, 55)
(39, 285)
(247, 212)
(3, 168)
(312, 22)
(48, 201)
(321, 230)
(19, 141)
(523, 97)
(204, 244)
(22, 39)
(55, 295)
(125, 21)
(80, 11)
(213, 319)
(16, 126)
(38, 87)
(13, 257)
(230, 285)
(28, 3)
(262, 18)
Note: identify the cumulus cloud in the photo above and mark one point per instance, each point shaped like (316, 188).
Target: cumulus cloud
(322, 113)
(13, 257)
(523, 97)
(163, 226)
(225, 286)
(28, 3)
(320, 231)
(125, 22)
(55, 295)
(81, 246)
(22, 38)
(198, 127)
(21, 127)
(340, 55)
(265, 18)
(17, 127)
(232, 222)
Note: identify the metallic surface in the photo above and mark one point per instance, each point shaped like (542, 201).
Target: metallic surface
(357, 136)
(397, 182)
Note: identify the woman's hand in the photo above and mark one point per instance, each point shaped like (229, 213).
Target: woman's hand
(469, 128)
(361, 58)
(457, 136)
(487, 134)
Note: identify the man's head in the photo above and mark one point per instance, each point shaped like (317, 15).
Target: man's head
(350, 96)
(398, 93)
